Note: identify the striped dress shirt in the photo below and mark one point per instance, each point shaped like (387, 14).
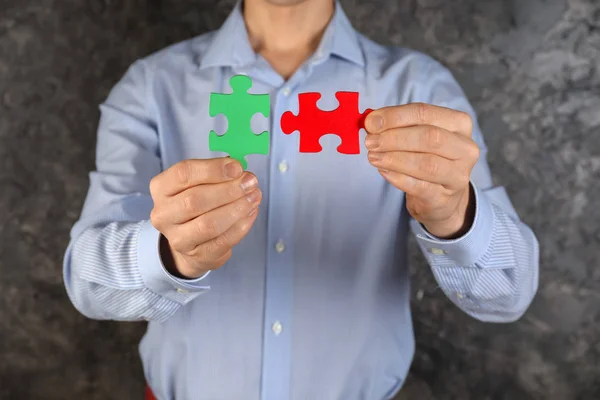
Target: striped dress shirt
(314, 303)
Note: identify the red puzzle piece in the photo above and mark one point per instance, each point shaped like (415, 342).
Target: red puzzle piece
(312, 122)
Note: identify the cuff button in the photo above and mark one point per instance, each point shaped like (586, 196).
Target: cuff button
(437, 252)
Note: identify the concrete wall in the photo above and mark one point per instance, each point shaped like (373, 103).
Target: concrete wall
(529, 66)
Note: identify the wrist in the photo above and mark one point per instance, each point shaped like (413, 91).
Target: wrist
(461, 220)
(175, 263)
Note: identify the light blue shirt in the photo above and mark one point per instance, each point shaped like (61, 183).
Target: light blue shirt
(314, 303)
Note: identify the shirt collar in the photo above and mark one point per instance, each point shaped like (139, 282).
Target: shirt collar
(231, 47)
(340, 38)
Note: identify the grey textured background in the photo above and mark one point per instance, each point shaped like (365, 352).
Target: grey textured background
(529, 66)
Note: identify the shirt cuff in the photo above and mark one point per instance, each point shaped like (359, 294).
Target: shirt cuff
(466, 250)
(155, 275)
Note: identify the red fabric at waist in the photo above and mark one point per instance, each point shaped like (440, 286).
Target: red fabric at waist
(149, 394)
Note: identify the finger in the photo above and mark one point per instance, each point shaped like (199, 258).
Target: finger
(421, 139)
(194, 172)
(213, 251)
(201, 199)
(419, 114)
(423, 166)
(412, 186)
(186, 237)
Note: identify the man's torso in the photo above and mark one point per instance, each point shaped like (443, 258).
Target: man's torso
(314, 303)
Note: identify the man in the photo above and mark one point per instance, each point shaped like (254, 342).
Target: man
(290, 281)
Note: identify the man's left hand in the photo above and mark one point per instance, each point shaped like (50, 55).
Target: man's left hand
(427, 152)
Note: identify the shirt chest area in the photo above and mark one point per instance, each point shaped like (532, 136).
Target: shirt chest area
(286, 170)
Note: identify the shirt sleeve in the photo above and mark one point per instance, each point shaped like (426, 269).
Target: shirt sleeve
(491, 272)
(112, 267)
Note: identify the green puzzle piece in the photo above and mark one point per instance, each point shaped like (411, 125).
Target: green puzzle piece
(239, 107)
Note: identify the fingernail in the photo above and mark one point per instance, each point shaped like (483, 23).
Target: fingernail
(375, 156)
(233, 170)
(372, 142)
(375, 123)
(249, 182)
(253, 197)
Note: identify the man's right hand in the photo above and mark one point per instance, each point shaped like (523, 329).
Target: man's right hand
(203, 208)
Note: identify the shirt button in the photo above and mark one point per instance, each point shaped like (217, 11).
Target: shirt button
(283, 167)
(286, 91)
(280, 246)
(277, 328)
(437, 252)
(180, 290)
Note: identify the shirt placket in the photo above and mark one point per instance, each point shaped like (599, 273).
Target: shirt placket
(277, 343)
